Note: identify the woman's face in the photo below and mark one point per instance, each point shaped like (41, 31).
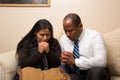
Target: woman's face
(43, 35)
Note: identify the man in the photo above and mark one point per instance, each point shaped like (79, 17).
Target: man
(90, 61)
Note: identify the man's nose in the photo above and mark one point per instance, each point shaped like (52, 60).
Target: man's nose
(68, 33)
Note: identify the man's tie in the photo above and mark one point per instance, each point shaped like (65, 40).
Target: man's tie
(76, 49)
(76, 55)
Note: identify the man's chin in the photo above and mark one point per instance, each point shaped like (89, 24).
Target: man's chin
(71, 39)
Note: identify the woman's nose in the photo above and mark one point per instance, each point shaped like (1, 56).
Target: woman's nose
(44, 37)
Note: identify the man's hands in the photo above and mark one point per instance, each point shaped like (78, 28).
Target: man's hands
(67, 58)
(43, 47)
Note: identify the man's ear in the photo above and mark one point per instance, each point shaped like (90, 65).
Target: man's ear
(80, 24)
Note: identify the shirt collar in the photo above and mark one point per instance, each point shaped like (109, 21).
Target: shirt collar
(80, 37)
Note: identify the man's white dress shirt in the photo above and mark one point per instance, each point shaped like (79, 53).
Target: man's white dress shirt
(91, 49)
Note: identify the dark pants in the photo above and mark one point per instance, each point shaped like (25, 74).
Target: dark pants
(95, 73)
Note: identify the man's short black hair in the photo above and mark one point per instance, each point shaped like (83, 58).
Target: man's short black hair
(74, 17)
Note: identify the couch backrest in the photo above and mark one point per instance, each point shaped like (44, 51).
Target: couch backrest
(58, 34)
(112, 41)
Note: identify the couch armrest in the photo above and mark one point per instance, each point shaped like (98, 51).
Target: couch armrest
(8, 65)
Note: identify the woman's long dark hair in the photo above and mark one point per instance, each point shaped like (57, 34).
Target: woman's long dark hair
(30, 40)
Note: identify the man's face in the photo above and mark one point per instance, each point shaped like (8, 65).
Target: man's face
(72, 32)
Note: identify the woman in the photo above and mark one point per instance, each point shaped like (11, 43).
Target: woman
(38, 45)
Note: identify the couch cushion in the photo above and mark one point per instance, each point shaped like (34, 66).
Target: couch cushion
(115, 77)
(3, 69)
(112, 41)
(8, 65)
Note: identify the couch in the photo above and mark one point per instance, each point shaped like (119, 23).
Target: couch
(8, 63)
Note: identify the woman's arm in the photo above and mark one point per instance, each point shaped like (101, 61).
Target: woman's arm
(54, 54)
(28, 57)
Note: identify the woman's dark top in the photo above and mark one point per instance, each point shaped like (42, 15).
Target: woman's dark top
(32, 58)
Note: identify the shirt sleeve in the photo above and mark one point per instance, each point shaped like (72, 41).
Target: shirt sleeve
(98, 57)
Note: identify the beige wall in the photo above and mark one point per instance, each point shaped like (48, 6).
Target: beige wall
(15, 22)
